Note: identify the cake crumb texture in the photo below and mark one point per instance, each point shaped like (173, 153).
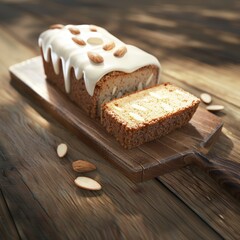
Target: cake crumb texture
(148, 114)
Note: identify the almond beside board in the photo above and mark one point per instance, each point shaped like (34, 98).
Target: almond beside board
(215, 108)
(87, 183)
(83, 166)
(62, 150)
(206, 98)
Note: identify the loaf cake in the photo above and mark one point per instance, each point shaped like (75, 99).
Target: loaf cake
(92, 67)
(148, 114)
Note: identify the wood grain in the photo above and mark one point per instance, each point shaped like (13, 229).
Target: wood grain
(197, 43)
(225, 172)
(139, 164)
(44, 183)
(147, 161)
(7, 227)
(29, 217)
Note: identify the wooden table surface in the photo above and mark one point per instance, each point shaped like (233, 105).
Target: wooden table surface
(198, 45)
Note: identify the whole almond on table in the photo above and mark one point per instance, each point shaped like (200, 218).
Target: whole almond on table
(62, 150)
(87, 183)
(206, 98)
(83, 166)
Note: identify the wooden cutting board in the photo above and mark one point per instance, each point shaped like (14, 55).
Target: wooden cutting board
(184, 146)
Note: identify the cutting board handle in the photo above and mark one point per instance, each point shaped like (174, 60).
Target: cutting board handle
(225, 172)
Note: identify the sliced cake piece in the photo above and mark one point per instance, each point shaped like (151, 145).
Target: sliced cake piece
(146, 115)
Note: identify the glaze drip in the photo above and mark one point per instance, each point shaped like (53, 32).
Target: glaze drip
(72, 55)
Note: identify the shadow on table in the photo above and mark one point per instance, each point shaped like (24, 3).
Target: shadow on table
(207, 32)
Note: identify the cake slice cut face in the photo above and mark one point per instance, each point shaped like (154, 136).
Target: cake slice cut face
(148, 114)
(92, 66)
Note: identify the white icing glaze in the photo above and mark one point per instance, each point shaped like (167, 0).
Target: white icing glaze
(72, 55)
